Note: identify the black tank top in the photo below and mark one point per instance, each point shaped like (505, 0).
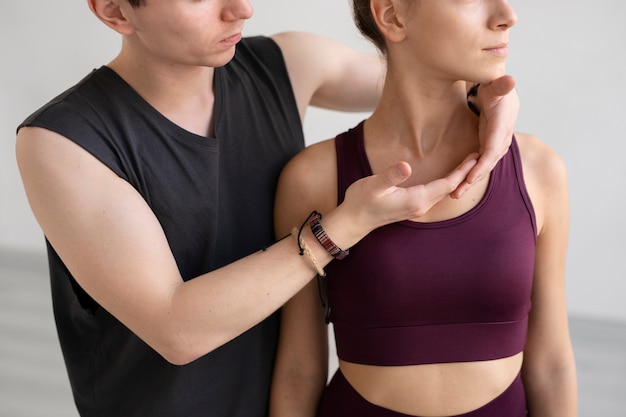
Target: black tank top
(214, 199)
(455, 290)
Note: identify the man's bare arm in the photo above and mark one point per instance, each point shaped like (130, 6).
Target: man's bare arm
(115, 248)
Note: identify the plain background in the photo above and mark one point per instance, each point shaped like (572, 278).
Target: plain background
(568, 59)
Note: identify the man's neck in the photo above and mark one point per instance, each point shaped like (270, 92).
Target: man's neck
(183, 94)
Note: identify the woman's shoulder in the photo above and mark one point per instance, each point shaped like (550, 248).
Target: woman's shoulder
(313, 161)
(545, 177)
(540, 160)
(311, 175)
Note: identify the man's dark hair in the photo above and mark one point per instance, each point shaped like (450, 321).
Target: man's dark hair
(136, 3)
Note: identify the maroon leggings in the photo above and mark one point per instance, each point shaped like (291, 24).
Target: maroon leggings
(341, 400)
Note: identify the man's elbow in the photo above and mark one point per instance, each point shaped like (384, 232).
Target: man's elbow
(180, 351)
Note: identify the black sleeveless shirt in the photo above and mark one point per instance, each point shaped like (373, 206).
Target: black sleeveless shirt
(214, 199)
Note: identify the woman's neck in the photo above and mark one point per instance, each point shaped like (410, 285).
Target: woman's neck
(422, 117)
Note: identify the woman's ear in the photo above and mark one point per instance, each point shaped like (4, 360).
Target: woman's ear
(389, 17)
(111, 14)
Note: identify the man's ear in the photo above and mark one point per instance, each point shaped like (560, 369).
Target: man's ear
(111, 14)
(389, 18)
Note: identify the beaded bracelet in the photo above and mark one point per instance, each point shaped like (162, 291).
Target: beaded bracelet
(304, 249)
(323, 238)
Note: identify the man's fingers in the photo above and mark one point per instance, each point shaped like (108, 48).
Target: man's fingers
(460, 190)
(457, 176)
(443, 187)
(498, 87)
(485, 164)
(500, 105)
(396, 174)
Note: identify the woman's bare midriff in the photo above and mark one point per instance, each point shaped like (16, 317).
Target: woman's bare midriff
(433, 390)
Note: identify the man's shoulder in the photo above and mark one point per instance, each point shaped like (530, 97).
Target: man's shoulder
(258, 49)
(75, 99)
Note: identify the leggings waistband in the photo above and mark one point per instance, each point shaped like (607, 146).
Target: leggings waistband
(341, 399)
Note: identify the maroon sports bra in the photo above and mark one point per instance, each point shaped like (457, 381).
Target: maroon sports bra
(456, 290)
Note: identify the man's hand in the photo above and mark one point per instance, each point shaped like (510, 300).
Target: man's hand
(377, 200)
(499, 105)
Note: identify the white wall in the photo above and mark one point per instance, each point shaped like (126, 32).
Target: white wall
(46, 47)
(568, 58)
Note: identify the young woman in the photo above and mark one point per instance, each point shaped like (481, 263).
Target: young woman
(459, 312)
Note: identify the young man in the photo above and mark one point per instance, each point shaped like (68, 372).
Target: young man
(153, 181)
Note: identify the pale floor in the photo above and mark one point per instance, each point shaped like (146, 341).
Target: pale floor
(33, 381)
